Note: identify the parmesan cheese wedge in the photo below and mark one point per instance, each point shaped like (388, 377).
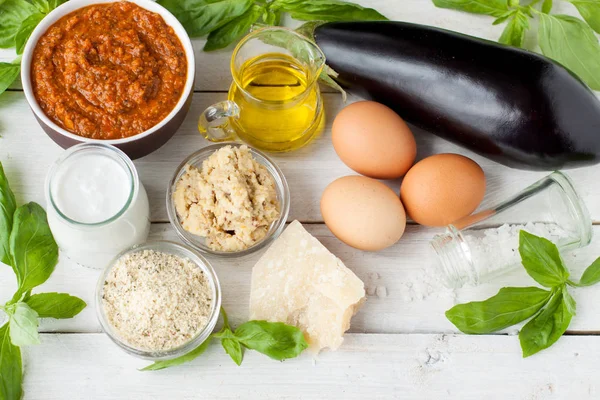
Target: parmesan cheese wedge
(299, 282)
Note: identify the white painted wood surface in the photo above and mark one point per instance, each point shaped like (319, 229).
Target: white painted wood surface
(396, 349)
(392, 305)
(308, 170)
(367, 367)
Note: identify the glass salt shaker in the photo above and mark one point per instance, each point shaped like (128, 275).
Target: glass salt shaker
(484, 245)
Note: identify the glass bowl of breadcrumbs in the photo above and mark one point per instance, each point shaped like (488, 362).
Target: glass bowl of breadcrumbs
(158, 300)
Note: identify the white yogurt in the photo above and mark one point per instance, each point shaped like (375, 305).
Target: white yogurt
(97, 206)
(90, 188)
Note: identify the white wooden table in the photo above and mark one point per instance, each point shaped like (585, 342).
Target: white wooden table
(397, 347)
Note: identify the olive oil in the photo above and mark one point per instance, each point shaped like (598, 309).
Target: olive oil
(280, 103)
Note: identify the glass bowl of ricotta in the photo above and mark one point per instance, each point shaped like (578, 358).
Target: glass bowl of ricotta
(228, 200)
(158, 300)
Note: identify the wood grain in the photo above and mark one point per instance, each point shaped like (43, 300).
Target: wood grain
(212, 72)
(403, 294)
(398, 348)
(212, 69)
(27, 153)
(427, 367)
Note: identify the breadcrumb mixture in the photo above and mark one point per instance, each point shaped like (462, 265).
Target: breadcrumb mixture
(156, 301)
(231, 201)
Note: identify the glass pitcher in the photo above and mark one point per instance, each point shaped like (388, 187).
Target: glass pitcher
(274, 102)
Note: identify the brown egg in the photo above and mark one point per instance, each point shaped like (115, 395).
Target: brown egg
(373, 140)
(363, 213)
(442, 188)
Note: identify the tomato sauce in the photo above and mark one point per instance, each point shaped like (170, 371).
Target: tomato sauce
(108, 71)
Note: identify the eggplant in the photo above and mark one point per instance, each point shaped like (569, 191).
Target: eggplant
(510, 105)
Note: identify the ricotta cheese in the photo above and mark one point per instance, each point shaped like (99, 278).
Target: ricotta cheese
(231, 201)
(299, 282)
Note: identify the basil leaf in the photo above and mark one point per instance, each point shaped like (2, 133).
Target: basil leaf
(569, 301)
(572, 43)
(234, 349)
(55, 305)
(158, 365)
(7, 202)
(32, 247)
(225, 320)
(233, 30)
(541, 260)
(327, 79)
(591, 275)
(274, 339)
(12, 13)
(26, 29)
(307, 29)
(300, 50)
(489, 7)
(8, 73)
(42, 5)
(510, 306)
(55, 3)
(547, 6)
(272, 17)
(200, 17)
(514, 32)
(546, 327)
(11, 368)
(297, 46)
(328, 10)
(504, 17)
(590, 11)
(23, 325)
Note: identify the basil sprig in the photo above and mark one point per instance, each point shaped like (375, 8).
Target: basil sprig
(224, 21)
(273, 339)
(568, 40)
(27, 245)
(227, 21)
(11, 367)
(550, 310)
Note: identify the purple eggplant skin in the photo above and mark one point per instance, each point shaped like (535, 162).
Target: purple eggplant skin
(510, 105)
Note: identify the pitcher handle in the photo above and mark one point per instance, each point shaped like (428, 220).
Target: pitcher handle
(214, 123)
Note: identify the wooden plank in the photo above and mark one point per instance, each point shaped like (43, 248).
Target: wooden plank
(27, 153)
(424, 366)
(366, 367)
(403, 294)
(212, 71)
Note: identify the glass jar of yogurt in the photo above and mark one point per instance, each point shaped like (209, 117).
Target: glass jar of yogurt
(96, 204)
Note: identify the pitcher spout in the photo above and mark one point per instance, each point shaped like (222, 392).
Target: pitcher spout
(299, 46)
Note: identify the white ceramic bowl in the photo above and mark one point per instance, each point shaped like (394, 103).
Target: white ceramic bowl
(135, 146)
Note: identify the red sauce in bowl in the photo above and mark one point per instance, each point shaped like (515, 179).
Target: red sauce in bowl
(108, 71)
